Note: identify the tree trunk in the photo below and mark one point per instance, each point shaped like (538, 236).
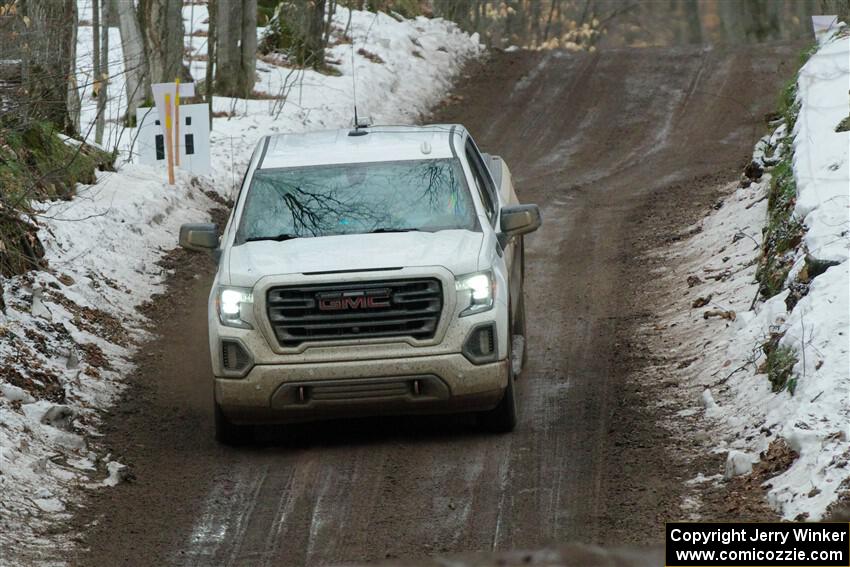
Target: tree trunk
(313, 44)
(534, 31)
(510, 23)
(327, 32)
(136, 76)
(212, 34)
(694, 22)
(840, 8)
(732, 26)
(104, 48)
(95, 40)
(162, 30)
(69, 65)
(98, 86)
(110, 14)
(248, 47)
(236, 48)
(549, 20)
(49, 63)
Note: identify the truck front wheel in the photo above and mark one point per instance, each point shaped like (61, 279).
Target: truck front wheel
(228, 433)
(503, 418)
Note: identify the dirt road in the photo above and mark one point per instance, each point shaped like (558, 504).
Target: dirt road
(603, 142)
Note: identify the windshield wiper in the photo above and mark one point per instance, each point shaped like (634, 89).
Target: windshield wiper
(389, 229)
(278, 238)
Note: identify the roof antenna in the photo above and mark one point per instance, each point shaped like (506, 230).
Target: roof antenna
(359, 129)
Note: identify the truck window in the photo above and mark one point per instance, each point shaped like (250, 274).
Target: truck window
(483, 181)
(356, 198)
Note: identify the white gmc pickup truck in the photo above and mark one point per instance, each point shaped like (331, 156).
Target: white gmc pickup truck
(370, 271)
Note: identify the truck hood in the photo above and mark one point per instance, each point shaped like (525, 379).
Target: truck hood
(455, 250)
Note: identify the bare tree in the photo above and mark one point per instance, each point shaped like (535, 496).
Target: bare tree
(212, 34)
(162, 29)
(236, 47)
(106, 14)
(136, 76)
(840, 8)
(694, 24)
(95, 40)
(100, 63)
(328, 27)
(49, 62)
(313, 38)
(298, 30)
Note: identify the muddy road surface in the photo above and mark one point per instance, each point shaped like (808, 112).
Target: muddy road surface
(602, 141)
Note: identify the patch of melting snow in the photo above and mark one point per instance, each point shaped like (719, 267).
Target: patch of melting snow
(691, 505)
(739, 463)
(50, 505)
(317, 518)
(117, 473)
(702, 479)
(209, 530)
(528, 79)
(504, 479)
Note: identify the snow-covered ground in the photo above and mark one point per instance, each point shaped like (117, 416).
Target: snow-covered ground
(720, 357)
(68, 334)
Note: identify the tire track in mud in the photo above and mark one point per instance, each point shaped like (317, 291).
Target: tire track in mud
(590, 137)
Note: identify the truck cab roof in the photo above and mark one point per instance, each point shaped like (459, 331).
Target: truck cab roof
(375, 143)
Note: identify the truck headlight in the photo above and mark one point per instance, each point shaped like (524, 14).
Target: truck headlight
(232, 303)
(476, 291)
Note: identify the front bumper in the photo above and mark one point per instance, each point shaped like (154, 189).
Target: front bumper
(284, 393)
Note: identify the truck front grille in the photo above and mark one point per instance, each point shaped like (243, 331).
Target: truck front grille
(373, 309)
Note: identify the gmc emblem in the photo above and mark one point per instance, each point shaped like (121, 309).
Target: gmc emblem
(349, 300)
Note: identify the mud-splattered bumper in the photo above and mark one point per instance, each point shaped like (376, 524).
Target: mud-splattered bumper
(305, 392)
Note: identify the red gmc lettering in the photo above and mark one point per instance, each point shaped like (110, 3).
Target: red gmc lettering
(359, 302)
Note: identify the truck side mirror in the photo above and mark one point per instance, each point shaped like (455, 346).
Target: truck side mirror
(519, 220)
(199, 236)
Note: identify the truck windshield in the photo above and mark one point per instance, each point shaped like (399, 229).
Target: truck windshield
(423, 195)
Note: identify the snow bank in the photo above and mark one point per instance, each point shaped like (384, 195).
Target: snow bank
(817, 418)
(68, 333)
(821, 153)
(725, 358)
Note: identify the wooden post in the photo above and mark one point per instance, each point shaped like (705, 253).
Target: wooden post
(169, 140)
(177, 122)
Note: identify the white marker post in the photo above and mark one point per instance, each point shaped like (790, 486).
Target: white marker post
(823, 24)
(177, 120)
(164, 95)
(169, 141)
(193, 146)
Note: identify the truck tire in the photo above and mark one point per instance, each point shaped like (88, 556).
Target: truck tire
(228, 433)
(520, 328)
(503, 418)
(519, 323)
